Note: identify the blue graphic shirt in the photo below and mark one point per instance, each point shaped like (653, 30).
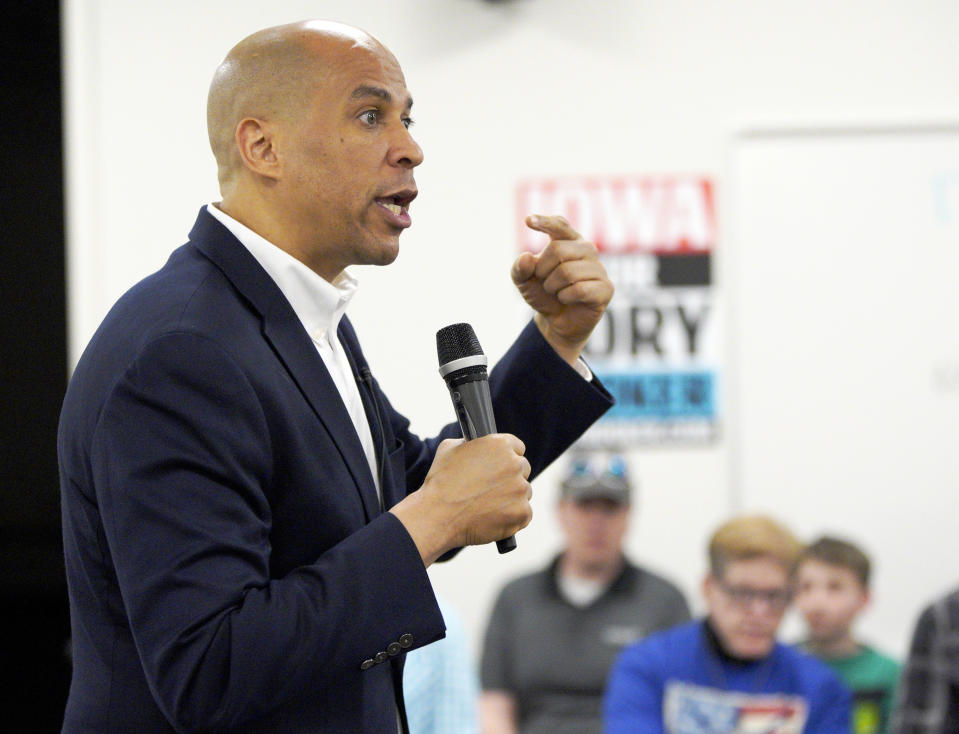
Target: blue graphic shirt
(675, 682)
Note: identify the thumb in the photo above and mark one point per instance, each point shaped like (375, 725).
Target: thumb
(523, 268)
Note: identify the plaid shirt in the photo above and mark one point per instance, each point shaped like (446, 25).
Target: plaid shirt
(440, 683)
(928, 695)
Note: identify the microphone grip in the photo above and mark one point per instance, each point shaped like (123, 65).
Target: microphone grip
(474, 408)
(474, 412)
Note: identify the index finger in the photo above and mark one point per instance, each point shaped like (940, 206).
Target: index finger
(448, 444)
(514, 442)
(555, 226)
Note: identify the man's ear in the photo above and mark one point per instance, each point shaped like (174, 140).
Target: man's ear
(707, 585)
(256, 146)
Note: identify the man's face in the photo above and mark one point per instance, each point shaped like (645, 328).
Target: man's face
(348, 162)
(747, 604)
(829, 598)
(594, 530)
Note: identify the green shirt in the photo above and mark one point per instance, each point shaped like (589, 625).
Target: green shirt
(872, 678)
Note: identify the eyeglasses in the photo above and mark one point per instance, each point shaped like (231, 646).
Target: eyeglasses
(744, 596)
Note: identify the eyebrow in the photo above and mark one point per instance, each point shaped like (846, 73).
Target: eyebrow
(367, 90)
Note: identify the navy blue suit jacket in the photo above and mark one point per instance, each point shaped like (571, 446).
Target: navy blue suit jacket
(228, 563)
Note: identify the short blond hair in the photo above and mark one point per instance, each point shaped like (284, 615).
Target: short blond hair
(752, 536)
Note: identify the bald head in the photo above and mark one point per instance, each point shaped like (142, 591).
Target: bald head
(269, 75)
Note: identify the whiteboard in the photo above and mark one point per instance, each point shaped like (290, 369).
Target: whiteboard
(843, 287)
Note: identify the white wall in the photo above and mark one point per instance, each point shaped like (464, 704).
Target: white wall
(503, 91)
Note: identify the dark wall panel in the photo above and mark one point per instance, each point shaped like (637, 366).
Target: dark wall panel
(34, 624)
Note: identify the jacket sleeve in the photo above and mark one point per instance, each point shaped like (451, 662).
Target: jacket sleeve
(183, 467)
(540, 398)
(536, 396)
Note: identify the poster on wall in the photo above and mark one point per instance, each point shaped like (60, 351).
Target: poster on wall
(657, 348)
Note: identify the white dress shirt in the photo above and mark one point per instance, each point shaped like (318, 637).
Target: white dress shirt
(319, 305)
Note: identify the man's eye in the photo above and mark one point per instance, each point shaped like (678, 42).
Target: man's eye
(370, 117)
(408, 122)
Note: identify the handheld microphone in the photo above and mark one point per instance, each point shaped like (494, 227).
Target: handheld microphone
(463, 366)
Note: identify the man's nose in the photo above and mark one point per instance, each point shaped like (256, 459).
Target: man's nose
(405, 151)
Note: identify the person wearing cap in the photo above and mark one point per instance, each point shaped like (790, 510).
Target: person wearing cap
(553, 635)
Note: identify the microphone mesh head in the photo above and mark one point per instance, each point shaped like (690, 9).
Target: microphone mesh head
(455, 342)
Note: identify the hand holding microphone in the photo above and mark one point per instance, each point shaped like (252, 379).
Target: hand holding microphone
(477, 489)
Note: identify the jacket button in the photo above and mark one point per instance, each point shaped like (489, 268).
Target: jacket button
(406, 640)
(367, 664)
(380, 657)
(393, 648)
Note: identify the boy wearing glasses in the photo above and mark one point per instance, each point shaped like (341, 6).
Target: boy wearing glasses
(727, 674)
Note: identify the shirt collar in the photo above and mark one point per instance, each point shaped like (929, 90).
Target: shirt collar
(628, 576)
(715, 643)
(318, 304)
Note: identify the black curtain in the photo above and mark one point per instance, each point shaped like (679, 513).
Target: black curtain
(34, 622)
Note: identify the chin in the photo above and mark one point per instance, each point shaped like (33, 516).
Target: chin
(379, 250)
(388, 253)
(820, 634)
(753, 649)
(385, 260)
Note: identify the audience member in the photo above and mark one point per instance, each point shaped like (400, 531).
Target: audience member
(554, 634)
(832, 589)
(728, 674)
(928, 696)
(440, 685)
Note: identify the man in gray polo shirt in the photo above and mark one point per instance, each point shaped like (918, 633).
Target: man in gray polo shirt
(553, 635)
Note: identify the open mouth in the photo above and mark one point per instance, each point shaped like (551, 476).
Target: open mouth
(397, 203)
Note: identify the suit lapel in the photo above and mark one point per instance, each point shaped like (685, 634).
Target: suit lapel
(347, 339)
(292, 345)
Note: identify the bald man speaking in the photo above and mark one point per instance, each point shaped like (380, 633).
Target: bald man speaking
(247, 520)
